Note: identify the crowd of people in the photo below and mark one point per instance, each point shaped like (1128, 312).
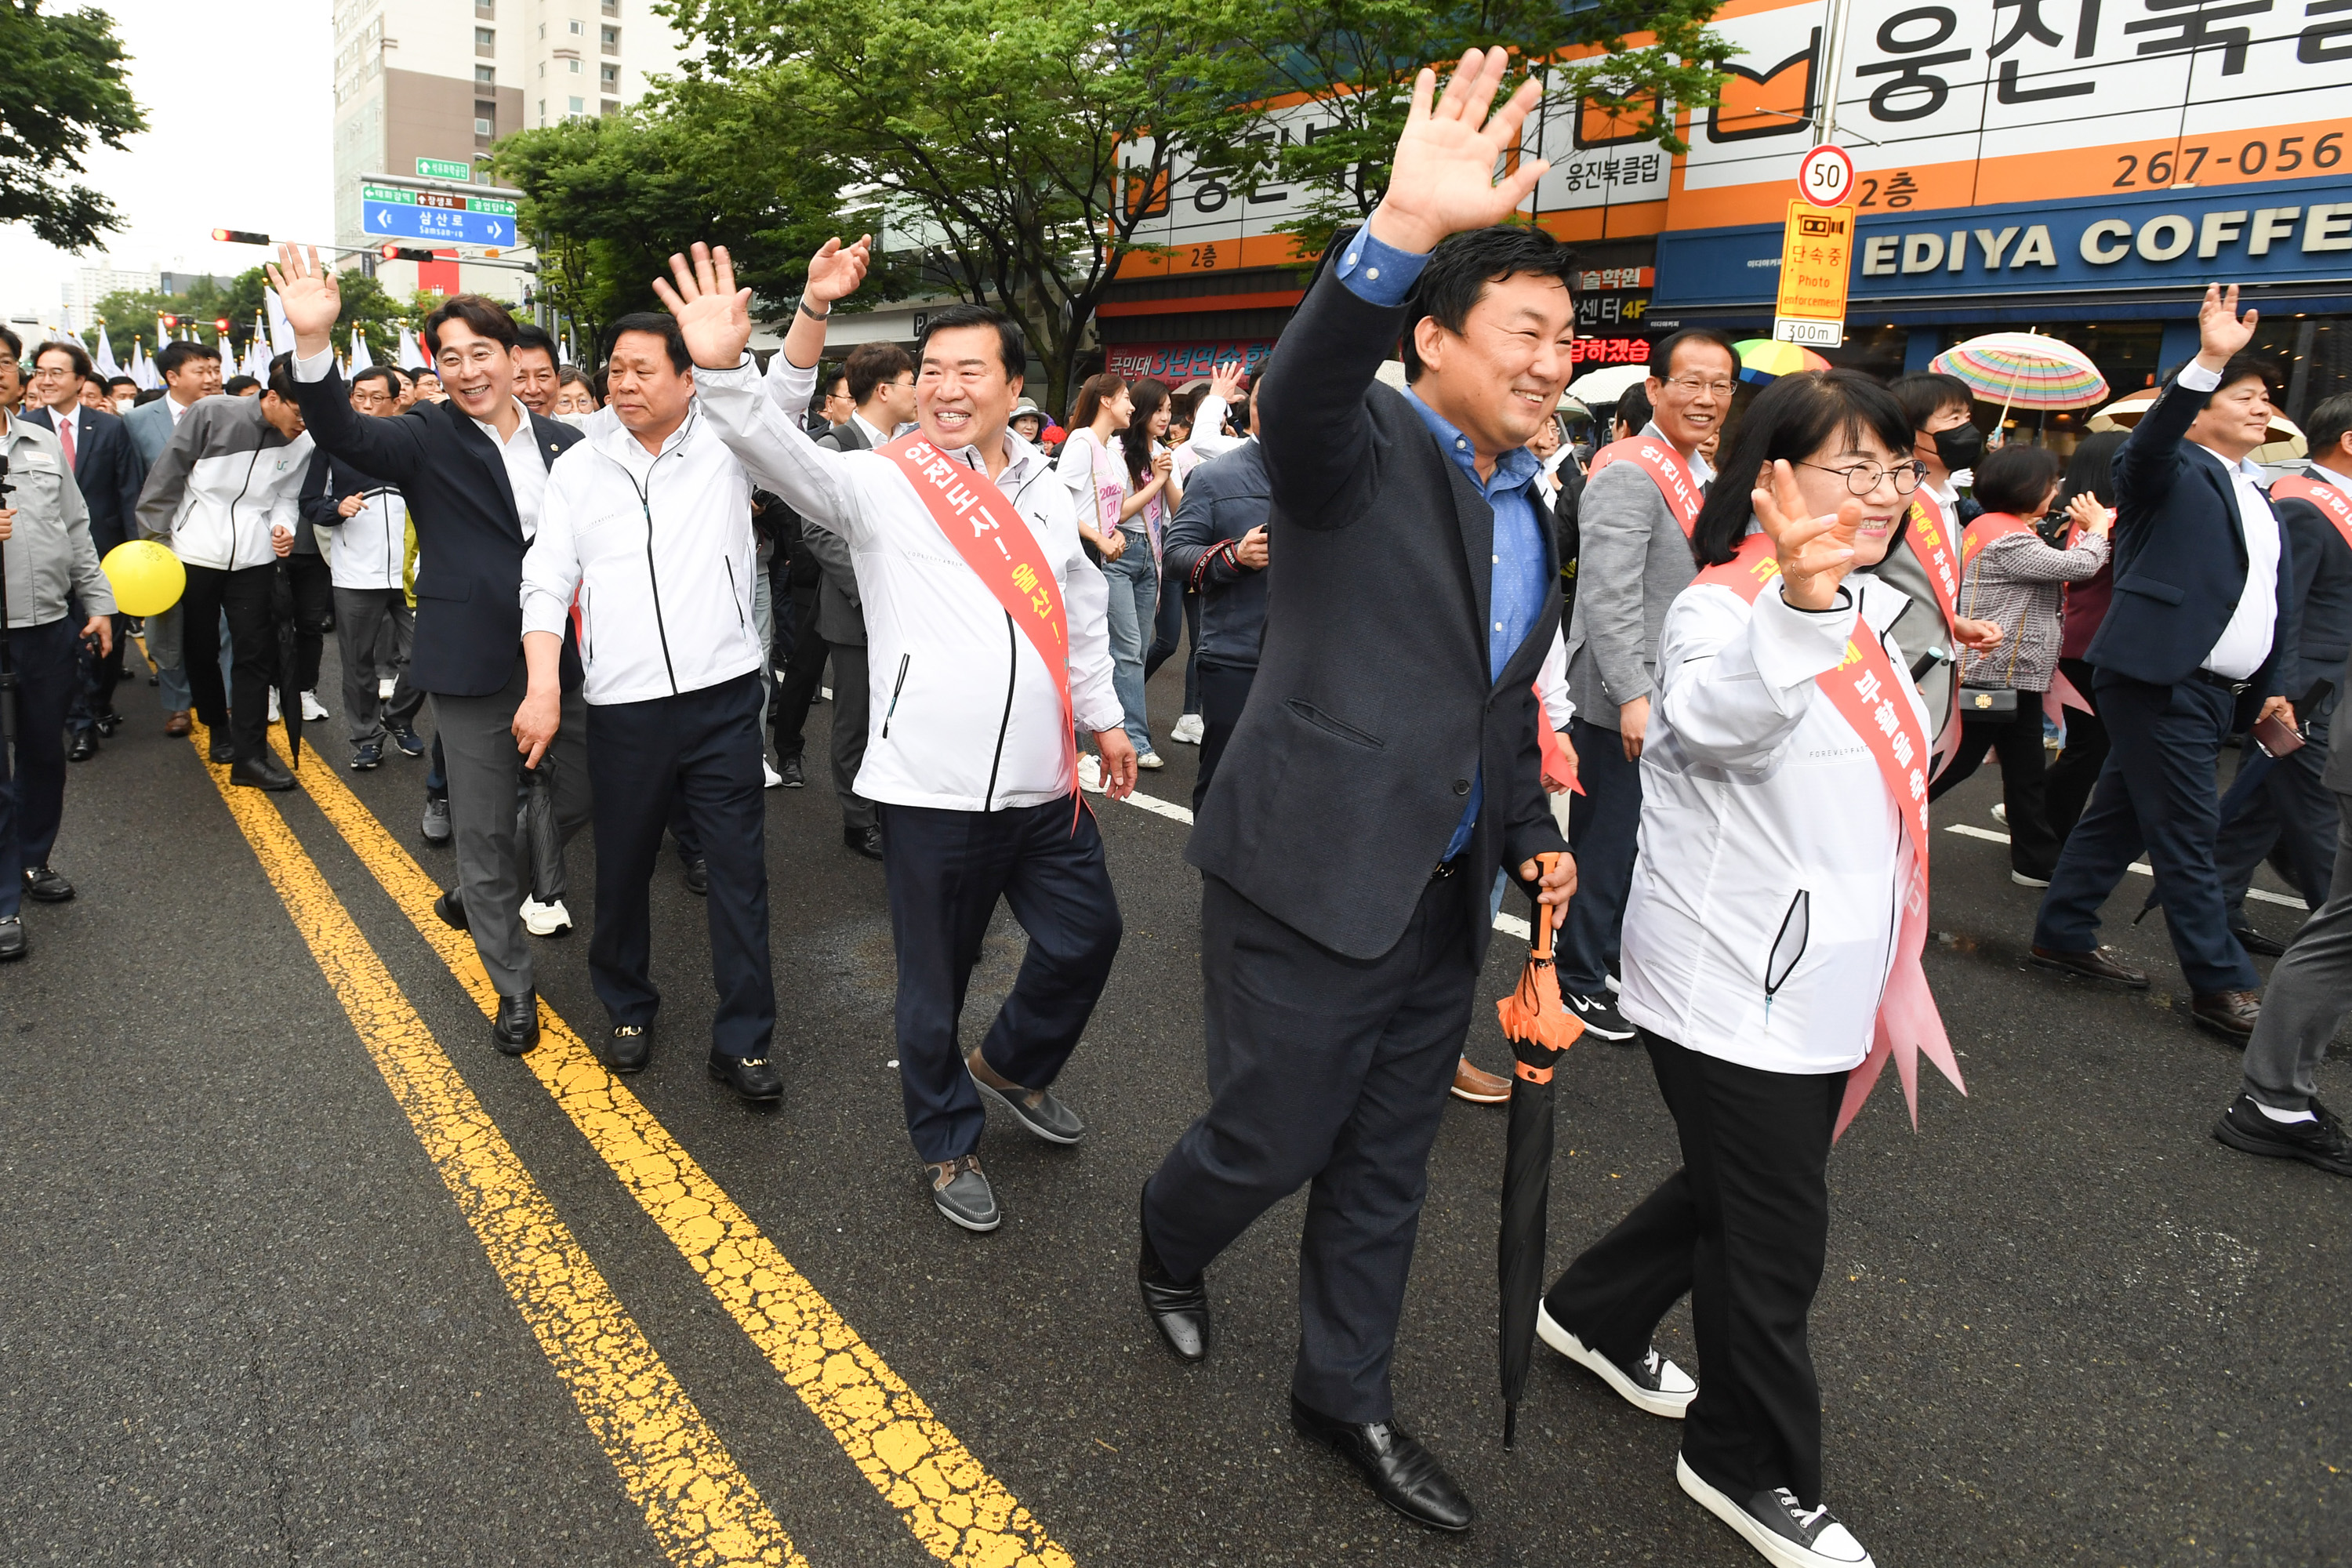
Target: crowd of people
(1694, 695)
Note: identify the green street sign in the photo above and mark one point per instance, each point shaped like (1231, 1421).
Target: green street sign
(443, 169)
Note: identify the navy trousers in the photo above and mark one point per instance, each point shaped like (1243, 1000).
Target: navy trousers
(2279, 808)
(1225, 692)
(33, 791)
(701, 747)
(2156, 793)
(1604, 824)
(945, 871)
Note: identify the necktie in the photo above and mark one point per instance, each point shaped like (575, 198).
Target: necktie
(65, 434)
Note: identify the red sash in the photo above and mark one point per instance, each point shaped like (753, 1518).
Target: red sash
(1987, 528)
(1931, 540)
(1666, 469)
(1867, 692)
(996, 542)
(2333, 503)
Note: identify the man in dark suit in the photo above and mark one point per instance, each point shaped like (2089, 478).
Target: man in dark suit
(2201, 635)
(1385, 766)
(107, 467)
(473, 471)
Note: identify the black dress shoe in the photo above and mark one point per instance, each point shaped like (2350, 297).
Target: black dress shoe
(517, 1030)
(2091, 966)
(44, 886)
(789, 770)
(696, 873)
(12, 940)
(451, 907)
(109, 723)
(866, 841)
(84, 747)
(1180, 1312)
(2255, 943)
(264, 772)
(753, 1078)
(1402, 1473)
(222, 749)
(631, 1046)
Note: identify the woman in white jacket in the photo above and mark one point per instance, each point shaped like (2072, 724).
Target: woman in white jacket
(1766, 915)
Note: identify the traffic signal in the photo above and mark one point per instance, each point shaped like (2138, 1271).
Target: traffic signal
(405, 253)
(240, 236)
(220, 323)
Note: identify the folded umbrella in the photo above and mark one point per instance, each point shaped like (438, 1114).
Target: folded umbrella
(1540, 1027)
(540, 835)
(289, 660)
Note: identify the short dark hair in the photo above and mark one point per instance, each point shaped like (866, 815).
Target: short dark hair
(2326, 425)
(870, 365)
(15, 344)
(172, 355)
(1925, 394)
(1662, 352)
(1462, 266)
(2091, 471)
(72, 351)
(280, 379)
(2248, 366)
(661, 325)
(1012, 344)
(147, 394)
(383, 373)
(235, 385)
(486, 318)
(531, 335)
(1633, 409)
(2015, 478)
(114, 381)
(1789, 421)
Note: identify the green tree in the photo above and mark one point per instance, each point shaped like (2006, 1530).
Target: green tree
(131, 315)
(61, 87)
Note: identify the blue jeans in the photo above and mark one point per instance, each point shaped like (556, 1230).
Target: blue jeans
(1134, 597)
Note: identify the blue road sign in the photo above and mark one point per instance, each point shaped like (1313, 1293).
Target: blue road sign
(397, 214)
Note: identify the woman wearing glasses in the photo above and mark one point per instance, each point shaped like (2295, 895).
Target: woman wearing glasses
(1772, 889)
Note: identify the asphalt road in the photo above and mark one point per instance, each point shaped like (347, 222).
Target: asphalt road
(248, 1316)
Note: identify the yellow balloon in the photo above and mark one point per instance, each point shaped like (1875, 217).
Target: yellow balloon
(148, 579)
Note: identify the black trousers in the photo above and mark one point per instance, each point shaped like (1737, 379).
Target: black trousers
(1743, 1228)
(33, 793)
(703, 747)
(2067, 787)
(2279, 808)
(945, 871)
(244, 596)
(802, 672)
(852, 695)
(314, 613)
(1604, 824)
(1225, 692)
(96, 674)
(1177, 615)
(2017, 741)
(1332, 1071)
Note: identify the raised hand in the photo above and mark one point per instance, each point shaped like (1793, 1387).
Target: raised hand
(837, 270)
(713, 315)
(1815, 553)
(1444, 178)
(1226, 383)
(2221, 330)
(310, 294)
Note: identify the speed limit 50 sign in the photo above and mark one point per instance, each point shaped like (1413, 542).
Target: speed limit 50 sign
(1825, 178)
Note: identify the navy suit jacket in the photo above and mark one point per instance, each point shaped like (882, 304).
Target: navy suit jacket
(107, 469)
(2323, 596)
(469, 543)
(2181, 558)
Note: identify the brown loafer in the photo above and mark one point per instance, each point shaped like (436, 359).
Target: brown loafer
(2230, 1013)
(1479, 1087)
(2092, 965)
(177, 724)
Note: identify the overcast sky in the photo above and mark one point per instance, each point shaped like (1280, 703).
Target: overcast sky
(240, 110)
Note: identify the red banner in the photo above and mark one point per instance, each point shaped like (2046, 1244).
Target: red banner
(1666, 469)
(2333, 503)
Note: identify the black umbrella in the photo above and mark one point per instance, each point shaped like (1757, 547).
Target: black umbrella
(289, 659)
(544, 843)
(1540, 1029)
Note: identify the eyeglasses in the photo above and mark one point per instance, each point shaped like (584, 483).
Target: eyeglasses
(1693, 385)
(1865, 478)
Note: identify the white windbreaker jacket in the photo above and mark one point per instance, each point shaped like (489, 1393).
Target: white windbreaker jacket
(223, 483)
(660, 551)
(1761, 924)
(963, 714)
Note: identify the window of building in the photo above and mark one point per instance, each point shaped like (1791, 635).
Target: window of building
(485, 76)
(486, 40)
(612, 77)
(579, 106)
(482, 126)
(486, 8)
(612, 40)
(611, 106)
(578, 29)
(574, 65)
(543, 29)
(612, 7)
(543, 111)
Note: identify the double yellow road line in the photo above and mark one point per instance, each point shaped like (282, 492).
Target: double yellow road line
(696, 1501)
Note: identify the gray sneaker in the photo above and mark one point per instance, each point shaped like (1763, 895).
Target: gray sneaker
(963, 1194)
(437, 821)
(1037, 1109)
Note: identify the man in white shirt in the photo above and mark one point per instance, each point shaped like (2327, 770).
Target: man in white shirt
(190, 372)
(2198, 637)
(969, 753)
(647, 528)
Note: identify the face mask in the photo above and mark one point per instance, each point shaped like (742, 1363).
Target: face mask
(125, 404)
(1959, 448)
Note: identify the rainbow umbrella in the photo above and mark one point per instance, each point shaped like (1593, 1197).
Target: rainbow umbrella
(2023, 370)
(1763, 360)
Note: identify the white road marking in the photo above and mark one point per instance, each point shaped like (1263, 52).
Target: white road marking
(2142, 867)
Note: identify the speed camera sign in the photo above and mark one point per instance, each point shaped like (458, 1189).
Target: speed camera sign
(1825, 178)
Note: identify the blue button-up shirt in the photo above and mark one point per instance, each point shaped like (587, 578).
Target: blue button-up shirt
(1380, 274)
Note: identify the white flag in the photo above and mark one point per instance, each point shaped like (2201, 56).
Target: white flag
(361, 358)
(281, 331)
(410, 356)
(143, 369)
(105, 356)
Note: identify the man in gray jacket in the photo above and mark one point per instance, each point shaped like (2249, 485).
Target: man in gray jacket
(1635, 558)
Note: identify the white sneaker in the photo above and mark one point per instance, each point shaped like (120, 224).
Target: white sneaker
(1090, 773)
(2022, 880)
(1189, 731)
(1614, 987)
(1656, 1386)
(1150, 761)
(273, 715)
(312, 709)
(384, 687)
(2001, 812)
(775, 779)
(545, 920)
(1782, 1533)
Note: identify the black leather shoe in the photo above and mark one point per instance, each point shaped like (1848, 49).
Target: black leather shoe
(789, 770)
(451, 907)
(1401, 1472)
(109, 723)
(222, 749)
(2255, 943)
(631, 1046)
(2092, 965)
(1180, 1312)
(84, 747)
(866, 841)
(696, 873)
(753, 1078)
(517, 1030)
(264, 772)
(2231, 1014)
(12, 945)
(44, 886)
